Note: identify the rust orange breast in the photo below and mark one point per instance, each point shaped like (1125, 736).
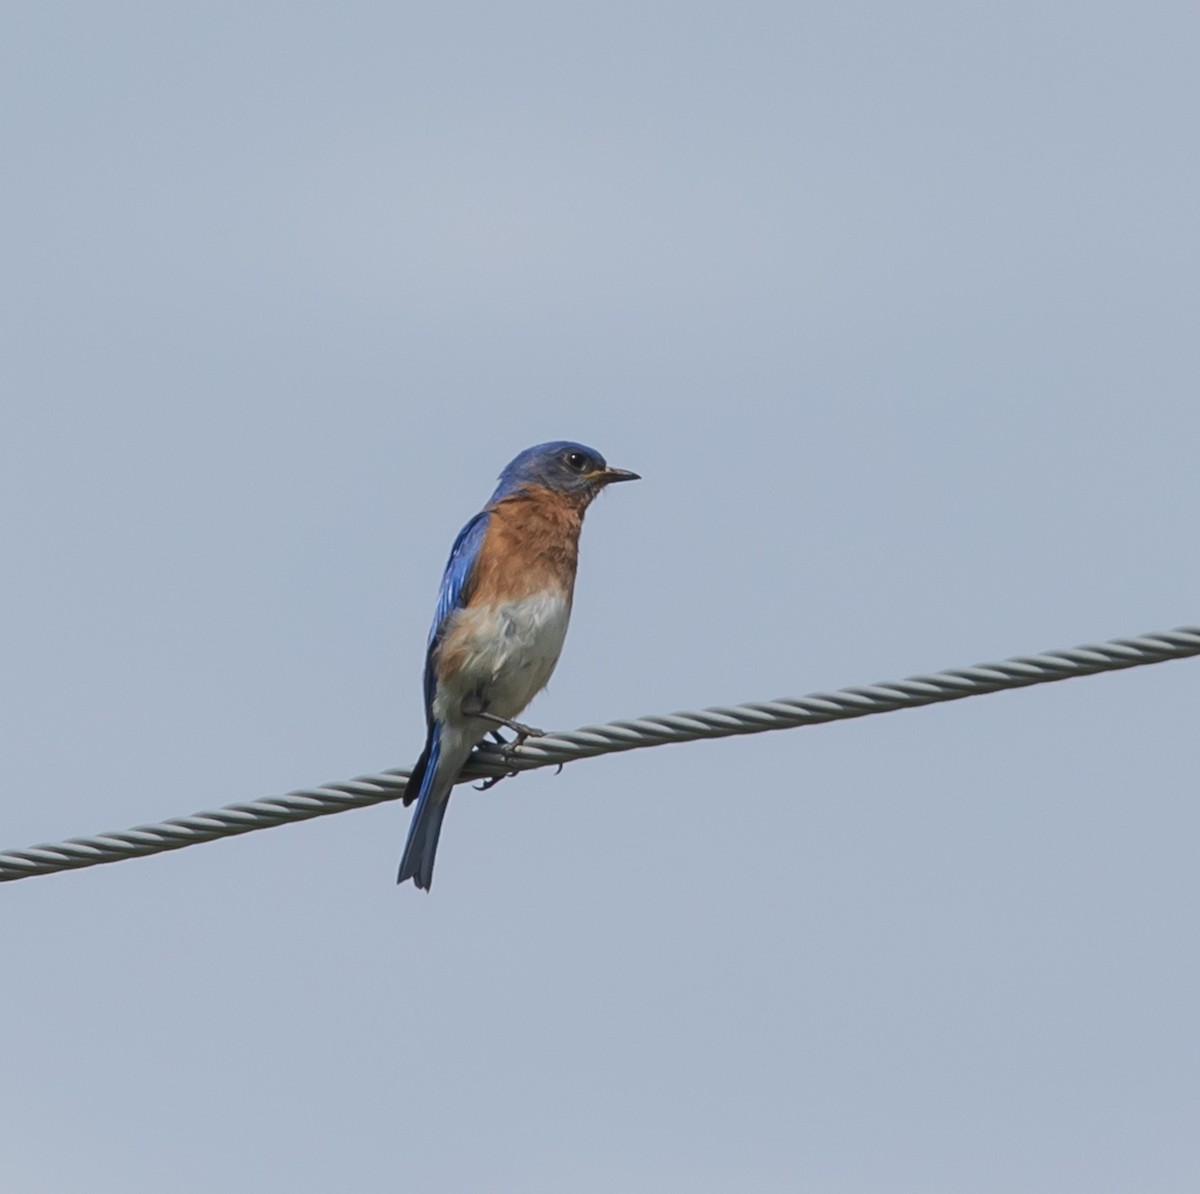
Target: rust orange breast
(532, 544)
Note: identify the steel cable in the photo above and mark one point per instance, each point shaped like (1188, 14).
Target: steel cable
(588, 741)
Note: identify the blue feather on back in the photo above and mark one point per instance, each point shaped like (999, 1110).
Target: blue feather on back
(453, 594)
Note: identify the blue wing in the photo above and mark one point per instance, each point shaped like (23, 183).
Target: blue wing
(455, 590)
(430, 782)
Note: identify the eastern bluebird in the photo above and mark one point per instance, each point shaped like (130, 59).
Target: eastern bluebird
(500, 622)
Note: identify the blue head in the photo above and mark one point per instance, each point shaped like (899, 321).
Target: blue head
(562, 466)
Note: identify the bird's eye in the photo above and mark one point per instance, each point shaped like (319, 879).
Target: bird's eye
(576, 460)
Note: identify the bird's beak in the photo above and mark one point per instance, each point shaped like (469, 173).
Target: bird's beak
(606, 476)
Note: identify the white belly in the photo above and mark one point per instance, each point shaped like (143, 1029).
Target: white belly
(508, 653)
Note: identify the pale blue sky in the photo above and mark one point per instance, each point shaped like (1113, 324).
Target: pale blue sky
(894, 308)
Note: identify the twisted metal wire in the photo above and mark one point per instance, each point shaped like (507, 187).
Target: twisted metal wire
(589, 741)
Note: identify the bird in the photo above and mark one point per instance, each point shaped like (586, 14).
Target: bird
(500, 622)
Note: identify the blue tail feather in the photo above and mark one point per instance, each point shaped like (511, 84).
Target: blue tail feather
(432, 797)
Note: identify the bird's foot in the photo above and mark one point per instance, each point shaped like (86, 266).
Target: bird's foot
(472, 707)
(519, 728)
(522, 732)
(509, 749)
(486, 785)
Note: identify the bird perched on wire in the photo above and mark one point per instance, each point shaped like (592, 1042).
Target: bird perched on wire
(500, 622)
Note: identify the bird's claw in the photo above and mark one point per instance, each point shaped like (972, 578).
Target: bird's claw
(508, 747)
(523, 732)
(486, 785)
